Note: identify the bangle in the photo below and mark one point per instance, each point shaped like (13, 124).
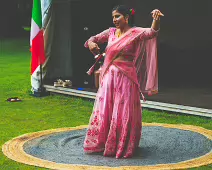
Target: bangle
(156, 19)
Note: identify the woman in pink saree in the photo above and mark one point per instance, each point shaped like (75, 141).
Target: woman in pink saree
(129, 69)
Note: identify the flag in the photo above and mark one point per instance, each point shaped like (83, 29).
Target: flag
(37, 46)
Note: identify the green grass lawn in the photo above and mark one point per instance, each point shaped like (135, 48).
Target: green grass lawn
(36, 114)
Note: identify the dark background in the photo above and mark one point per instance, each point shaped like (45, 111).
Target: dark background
(184, 43)
(14, 14)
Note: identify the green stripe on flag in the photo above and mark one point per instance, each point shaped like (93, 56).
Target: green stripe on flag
(36, 13)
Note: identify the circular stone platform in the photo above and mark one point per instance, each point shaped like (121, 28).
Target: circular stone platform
(163, 146)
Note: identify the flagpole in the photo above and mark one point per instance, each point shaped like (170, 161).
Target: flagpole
(41, 71)
(41, 79)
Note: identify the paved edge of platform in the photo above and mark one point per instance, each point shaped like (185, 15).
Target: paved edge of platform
(13, 149)
(148, 104)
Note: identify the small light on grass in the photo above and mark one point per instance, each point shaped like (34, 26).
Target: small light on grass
(26, 28)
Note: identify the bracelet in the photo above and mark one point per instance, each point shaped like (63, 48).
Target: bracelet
(156, 19)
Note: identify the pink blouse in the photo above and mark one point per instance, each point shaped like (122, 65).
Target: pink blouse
(129, 50)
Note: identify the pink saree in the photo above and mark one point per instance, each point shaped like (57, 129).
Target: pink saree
(115, 124)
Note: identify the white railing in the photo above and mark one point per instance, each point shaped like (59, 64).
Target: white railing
(148, 104)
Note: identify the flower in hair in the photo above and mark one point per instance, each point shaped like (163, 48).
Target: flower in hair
(132, 11)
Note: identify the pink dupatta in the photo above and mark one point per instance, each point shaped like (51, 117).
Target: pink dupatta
(145, 60)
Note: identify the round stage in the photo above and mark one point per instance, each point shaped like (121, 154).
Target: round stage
(163, 146)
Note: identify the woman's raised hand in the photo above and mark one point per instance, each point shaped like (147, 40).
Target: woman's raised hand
(156, 14)
(94, 48)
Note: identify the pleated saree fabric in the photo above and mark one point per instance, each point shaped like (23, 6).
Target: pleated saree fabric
(115, 124)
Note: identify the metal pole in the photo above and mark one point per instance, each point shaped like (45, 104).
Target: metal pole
(41, 80)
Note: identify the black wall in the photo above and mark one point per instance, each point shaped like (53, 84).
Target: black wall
(14, 14)
(185, 40)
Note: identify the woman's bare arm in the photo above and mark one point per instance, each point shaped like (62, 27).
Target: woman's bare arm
(156, 14)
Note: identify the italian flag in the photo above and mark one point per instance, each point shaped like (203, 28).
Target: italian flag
(37, 46)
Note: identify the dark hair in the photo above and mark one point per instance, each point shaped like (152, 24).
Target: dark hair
(124, 10)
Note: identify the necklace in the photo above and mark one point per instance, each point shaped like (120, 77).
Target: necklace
(119, 33)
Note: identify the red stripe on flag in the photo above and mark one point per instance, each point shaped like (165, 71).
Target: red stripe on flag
(37, 49)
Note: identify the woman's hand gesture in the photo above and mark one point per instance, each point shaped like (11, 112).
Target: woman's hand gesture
(94, 48)
(156, 14)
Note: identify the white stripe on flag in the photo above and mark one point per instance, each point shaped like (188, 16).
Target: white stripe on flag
(34, 31)
(35, 78)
